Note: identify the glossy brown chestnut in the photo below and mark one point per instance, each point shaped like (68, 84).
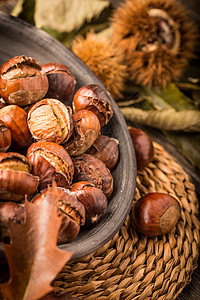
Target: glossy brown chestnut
(50, 162)
(143, 146)
(16, 179)
(156, 214)
(105, 149)
(93, 199)
(2, 103)
(5, 137)
(71, 211)
(22, 81)
(86, 130)
(50, 120)
(89, 168)
(61, 81)
(15, 118)
(94, 98)
(10, 211)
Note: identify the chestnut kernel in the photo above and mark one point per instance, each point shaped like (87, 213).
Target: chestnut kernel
(105, 149)
(156, 214)
(86, 130)
(5, 137)
(61, 81)
(50, 162)
(93, 199)
(89, 168)
(50, 120)
(15, 118)
(143, 146)
(22, 81)
(94, 98)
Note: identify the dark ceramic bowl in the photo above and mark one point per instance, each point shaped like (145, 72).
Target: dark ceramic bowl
(17, 38)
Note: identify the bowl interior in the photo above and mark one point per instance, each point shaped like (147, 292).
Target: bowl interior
(17, 38)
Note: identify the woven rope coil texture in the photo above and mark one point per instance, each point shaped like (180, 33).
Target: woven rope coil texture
(135, 267)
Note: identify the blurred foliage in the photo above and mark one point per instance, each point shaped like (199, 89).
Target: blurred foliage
(65, 19)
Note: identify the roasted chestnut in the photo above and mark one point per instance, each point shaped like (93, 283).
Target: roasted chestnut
(50, 120)
(105, 149)
(50, 162)
(15, 118)
(22, 81)
(2, 103)
(86, 131)
(5, 137)
(89, 168)
(93, 199)
(71, 211)
(156, 214)
(94, 98)
(143, 146)
(61, 81)
(16, 179)
(10, 211)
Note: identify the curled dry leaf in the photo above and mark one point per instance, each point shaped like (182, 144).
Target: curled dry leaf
(33, 257)
(166, 119)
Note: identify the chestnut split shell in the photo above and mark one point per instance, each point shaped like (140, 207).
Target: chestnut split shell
(22, 81)
(90, 168)
(15, 178)
(50, 162)
(94, 98)
(50, 120)
(86, 130)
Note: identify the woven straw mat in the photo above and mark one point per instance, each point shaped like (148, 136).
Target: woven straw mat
(132, 266)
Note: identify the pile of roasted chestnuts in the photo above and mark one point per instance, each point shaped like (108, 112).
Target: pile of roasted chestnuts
(49, 132)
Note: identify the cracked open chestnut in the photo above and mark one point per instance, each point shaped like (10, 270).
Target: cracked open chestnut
(86, 130)
(50, 120)
(70, 209)
(15, 118)
(22, 81)
(93, 199)
(94, 98)
(50, 162)
(16, 179)
(61, 81)
(89, 168)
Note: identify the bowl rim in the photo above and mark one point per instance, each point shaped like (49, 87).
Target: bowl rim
(90, 244)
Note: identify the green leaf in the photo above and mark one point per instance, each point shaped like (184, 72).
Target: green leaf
(166, 119)
(175, 98)
(67, 15)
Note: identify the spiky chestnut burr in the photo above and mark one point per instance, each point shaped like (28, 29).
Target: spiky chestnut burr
(157, 38)
(104, 59)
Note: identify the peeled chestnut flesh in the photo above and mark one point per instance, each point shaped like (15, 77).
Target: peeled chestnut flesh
(61, 81)
(105, 149)
(50, 162)
(93, 199)
(21, 81)
(94, 98)
(71, 211)
(16, 179)
(50, 120)
(5, 137)
(156, 214)
(15, 118)
(143, 147)
(86, 130)
(89, 168)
